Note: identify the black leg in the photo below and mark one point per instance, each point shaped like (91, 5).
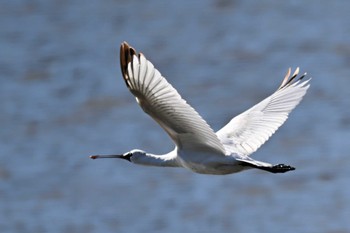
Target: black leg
(279, 168)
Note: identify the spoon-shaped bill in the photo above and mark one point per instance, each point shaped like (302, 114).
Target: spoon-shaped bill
(106, 156)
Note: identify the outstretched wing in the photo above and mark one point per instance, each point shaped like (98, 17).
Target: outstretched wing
(164, 104)
(245, 133)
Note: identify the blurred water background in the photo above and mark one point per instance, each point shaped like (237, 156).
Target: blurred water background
(63, 99)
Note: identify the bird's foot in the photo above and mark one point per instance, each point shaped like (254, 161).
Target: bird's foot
(280, 168)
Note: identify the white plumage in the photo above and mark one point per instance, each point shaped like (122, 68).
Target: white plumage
(198, 147)
(245, 133)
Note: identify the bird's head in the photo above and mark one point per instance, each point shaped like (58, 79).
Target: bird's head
(131, 156)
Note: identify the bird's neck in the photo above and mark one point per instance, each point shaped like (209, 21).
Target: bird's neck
(166, 160)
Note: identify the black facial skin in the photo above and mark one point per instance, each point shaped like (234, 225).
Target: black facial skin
(127, 157)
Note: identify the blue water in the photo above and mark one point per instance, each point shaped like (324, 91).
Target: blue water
(63, 99)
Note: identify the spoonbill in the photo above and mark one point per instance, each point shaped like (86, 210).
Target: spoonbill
(197, 147)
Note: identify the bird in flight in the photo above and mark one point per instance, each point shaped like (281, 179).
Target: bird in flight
(197, 147)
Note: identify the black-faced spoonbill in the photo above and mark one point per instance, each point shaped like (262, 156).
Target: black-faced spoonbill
(197, 147)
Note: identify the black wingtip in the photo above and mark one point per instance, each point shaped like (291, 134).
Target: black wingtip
(126, 55)
(289, 80)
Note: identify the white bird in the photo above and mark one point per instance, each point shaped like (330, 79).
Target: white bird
(198, 148)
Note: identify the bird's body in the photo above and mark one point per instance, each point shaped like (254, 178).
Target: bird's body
(198, 148)
(209, 163)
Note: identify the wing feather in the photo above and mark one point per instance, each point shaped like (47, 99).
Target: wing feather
(245, 133)
(164, 104)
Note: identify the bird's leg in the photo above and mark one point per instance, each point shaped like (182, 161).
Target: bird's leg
(279, 168)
